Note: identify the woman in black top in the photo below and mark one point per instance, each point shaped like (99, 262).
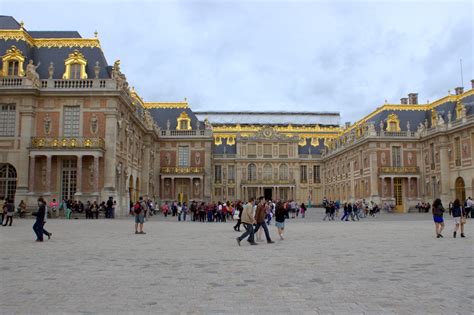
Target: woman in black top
(280, 218)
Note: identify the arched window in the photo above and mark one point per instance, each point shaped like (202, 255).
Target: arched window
(75, 66)
(267, 172)
(252, 172)
(283, 172)
(7, 181)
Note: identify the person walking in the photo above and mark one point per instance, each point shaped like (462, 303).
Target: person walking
(138, 210)
(10, 210)
(438, 211)
(458, 216)
(280, 219)
(260, 219)
(239, 210)
(247, 220)
(39, 222)
(184, 211)
(303, 210)
(469, 205)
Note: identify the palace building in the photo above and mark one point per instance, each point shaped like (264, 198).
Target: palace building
(71, 127)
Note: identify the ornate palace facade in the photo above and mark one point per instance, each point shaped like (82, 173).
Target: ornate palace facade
(71, 127)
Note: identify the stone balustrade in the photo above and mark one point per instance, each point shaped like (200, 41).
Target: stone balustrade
(399, 170)
(182, 170)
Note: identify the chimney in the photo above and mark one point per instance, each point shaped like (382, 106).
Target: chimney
(413, 98)
(404, 100)
(472, 84)
(459, 90)
(347, 124)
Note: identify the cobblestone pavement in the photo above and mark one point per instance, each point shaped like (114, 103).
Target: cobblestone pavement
(389, 265)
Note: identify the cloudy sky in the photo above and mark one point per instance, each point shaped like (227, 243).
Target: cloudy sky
(345, 56)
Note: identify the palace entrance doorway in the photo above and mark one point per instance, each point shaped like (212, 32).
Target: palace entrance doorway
(267, 193)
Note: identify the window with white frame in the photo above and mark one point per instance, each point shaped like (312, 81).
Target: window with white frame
(183, 156)
(71, 121)
(231, 173)
(252, 172)
(7, 120)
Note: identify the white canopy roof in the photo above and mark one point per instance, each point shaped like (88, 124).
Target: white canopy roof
(271, 118)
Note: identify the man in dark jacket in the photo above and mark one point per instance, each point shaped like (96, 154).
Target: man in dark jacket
(38, 226)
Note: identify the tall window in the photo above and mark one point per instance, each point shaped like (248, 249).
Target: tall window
(183, 124)
(217, 174)
(183, 156)
(252, 172)
(267, 150)
(283, 172)
(432, 151)
(231, 173)
(7, 120)
(304, 173)
(13, 67)
(71, 121)
(396, 156)
(252, 150)
(457, 151)
(7, 181)
(75, 71)
(267, 171)
(316, 174)
(69, 179)
(283, 150)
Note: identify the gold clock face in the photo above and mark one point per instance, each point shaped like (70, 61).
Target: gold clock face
(267, 133)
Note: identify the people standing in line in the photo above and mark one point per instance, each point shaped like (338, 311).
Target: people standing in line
(202, 212)
(54, 206)
(179, 209)
(165, 209)
(260, 219)
(68, 207)
(88, 210)
(458, 216)
(280, 219)
(139, 216)
(39, 222)
(346, 212)
(94, 210)
(109, 208)
(9, 210)
(438, 211)
(240, 209)
(248, 221)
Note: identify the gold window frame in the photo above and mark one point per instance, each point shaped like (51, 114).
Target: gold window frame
(13, 54)
(75, 58)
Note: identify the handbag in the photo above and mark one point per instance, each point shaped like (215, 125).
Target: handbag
(463, 220)
(236, 214)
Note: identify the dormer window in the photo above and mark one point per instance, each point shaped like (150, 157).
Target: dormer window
(13, 62)
(393, 123)
(183, 122)
(75, 66)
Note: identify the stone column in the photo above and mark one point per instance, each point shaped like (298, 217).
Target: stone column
(172, 189)
(392, 194)
(374, 187)
(96, 175)
(351, 171)
(409, 187)
(146, 166)
(32, 173)
(445, 195)
(48, 175)
(79, 176)
(110, 155)
(25, 131)
(162, 188)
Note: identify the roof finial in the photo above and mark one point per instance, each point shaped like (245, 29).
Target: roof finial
(449, 92)
(185, 99)
(22, 25)
(386, 101)
(427, 101)
(96, 34)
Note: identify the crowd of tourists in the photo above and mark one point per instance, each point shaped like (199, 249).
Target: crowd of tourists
(350, 210)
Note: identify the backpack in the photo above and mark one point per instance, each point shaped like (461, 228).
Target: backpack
(137, 208)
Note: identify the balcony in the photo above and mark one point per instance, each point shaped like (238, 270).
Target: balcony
(399, 170)
(67, 143)
(186, 133)
(182, 170)
(54, 84)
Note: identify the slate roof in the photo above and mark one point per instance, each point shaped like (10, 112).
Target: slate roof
(162, 115)
(8, 23)
(56, 55)
(309, 149)
(229, 149)
(55, 34)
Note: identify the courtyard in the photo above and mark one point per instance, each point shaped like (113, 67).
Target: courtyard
(389, 265)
